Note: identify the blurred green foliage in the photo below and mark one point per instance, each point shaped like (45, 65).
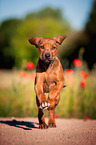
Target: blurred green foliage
(90, 30)
(14, 35)
(46, 13)
(15, 49)
(91, 23)
(7, 31)
(34, 28)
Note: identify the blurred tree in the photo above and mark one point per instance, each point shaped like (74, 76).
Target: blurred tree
(39, 24)
(91, 24)
(90, 28)
(76, 40)
(70, 50)
(47, 12)
(15, 48)
(7, 31)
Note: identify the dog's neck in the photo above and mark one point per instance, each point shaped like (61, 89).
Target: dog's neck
(45, 65)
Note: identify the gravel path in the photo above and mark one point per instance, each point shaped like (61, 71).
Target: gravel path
(25, 131)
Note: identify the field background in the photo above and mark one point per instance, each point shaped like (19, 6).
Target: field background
(17, 95)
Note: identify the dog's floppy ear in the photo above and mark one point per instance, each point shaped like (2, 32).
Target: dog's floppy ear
(59, 39)
(35, 40)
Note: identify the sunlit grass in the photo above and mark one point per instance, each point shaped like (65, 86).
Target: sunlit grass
(77, 102)
(17, 96)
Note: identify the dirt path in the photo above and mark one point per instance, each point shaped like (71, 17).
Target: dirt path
(24, 131)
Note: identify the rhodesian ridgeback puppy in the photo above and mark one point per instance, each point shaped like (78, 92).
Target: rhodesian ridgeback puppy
(49, 77)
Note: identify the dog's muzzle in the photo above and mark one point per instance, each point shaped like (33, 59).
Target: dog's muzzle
(47, 55)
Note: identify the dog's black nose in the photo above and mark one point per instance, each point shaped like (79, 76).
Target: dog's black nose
(47, 55)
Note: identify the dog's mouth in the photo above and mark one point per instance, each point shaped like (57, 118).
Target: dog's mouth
(47, 60)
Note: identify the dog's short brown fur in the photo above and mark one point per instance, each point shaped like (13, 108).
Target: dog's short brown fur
(49, 77)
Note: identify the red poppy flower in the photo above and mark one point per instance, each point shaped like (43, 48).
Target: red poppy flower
(77, 62)
(56, 115)
(82, 84)
(83, 74)
(30, 65)
(86, 118)
(68, 71)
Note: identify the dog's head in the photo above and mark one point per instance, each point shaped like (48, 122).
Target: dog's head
(47, 47)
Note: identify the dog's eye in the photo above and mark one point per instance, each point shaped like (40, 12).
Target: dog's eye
(53, 47)
(42, 47)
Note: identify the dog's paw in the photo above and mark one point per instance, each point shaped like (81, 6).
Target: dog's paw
(43, 126)
(51, 124)
(44, 105)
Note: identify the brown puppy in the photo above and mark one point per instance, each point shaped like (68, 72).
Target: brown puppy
(49, 77)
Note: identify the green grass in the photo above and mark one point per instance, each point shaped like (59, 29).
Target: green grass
(77, 102)
(17, 96)
(18, 101)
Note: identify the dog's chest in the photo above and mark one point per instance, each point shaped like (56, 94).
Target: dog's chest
(49, 83)
(50, 78)
(51, 74)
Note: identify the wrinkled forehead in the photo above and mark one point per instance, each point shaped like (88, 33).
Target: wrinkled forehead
(48, 41)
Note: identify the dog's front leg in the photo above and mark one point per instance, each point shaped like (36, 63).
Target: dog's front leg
(41, 97)
(39, 89)
(54, 93)
(42, 102)
(40, 94)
